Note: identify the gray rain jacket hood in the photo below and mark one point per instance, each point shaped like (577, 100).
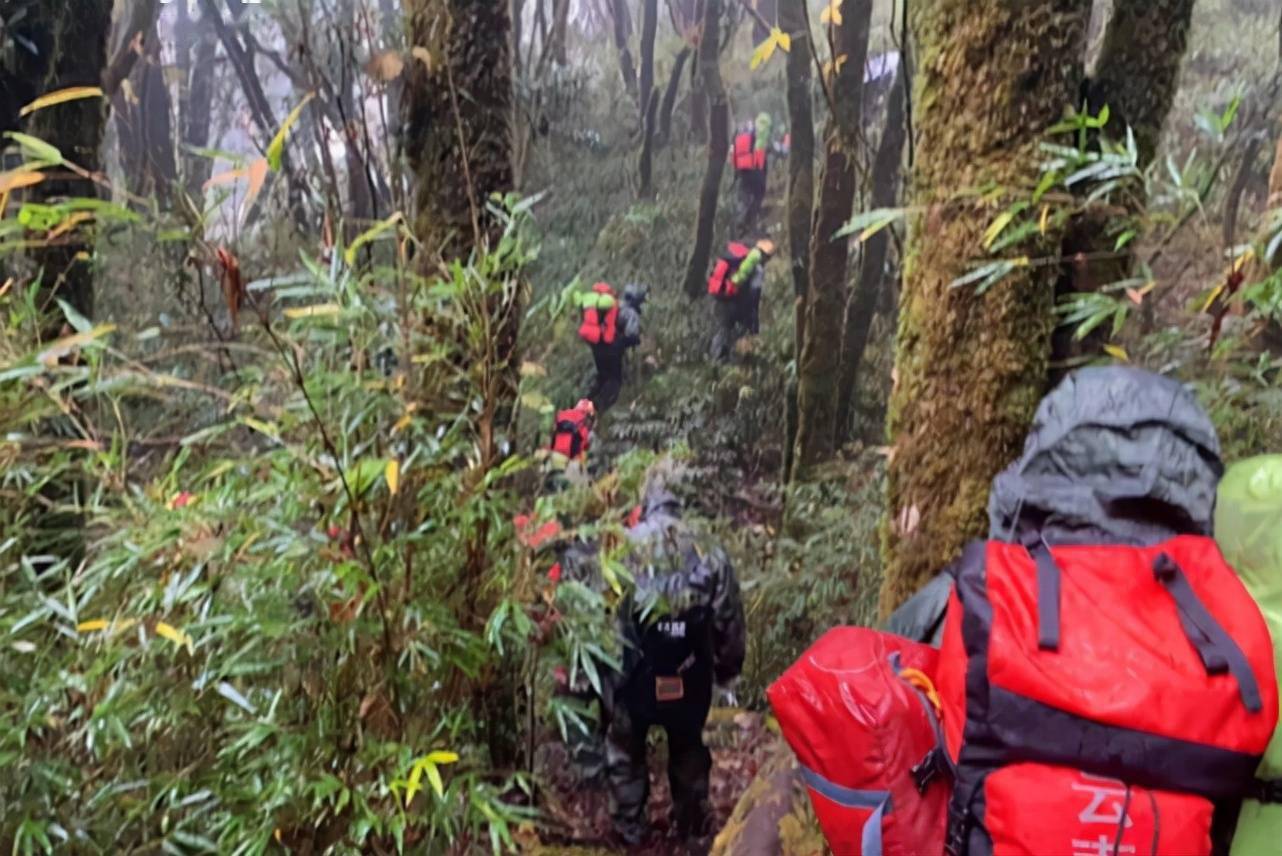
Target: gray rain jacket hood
(1115, 455)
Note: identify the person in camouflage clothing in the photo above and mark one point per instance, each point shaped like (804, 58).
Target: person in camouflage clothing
(683, 631)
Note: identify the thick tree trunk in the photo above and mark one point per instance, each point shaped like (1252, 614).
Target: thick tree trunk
(459, 121)
(77, 44)
(991, 77)
(698, 102)
(155, 124)
(622, 30)
(670, 96)
(873, 278)
(714, 91)
(801, 193)
(819, 369)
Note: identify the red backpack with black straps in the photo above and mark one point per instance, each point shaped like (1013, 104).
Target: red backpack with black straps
(747, 158)
(600, 325)
(573, 433)
(721, 284)
(1149, 666)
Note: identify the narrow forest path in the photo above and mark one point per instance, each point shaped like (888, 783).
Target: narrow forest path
(578, 814)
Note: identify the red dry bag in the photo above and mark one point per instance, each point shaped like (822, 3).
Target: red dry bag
(600, 316)
(721, 284)
(572, 434)
(858, 709)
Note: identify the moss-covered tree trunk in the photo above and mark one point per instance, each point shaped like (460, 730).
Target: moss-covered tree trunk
(459, 116)
(718, 144)
(991, 77)
(819, 369)
(873, 278)
(801, 193)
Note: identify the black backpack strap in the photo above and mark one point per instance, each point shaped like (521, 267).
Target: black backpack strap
(1268, 791)
(1217, 649)
(1048, 585)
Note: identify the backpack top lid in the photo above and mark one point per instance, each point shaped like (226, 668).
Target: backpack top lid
(1116, 455)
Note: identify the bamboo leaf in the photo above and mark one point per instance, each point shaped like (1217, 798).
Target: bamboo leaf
(62, 96)
(392, 473)
(370, 234)
(36, 149)
(276, 149)
(997, 227)
(257, 176)
(173, 634)
(1117, 353)
(317, 311)
(90, 626)
(18, 178)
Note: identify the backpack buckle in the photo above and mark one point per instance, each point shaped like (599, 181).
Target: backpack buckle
(1268, 791)
(926, 770)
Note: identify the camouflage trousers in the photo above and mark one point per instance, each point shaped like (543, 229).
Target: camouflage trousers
(689, 766)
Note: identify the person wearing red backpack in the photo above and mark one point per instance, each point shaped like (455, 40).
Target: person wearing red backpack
(750, 156)
(736, 284)
(1106, 681)
(610, 327)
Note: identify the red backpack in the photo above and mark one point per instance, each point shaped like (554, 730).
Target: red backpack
(572, 434)
(721, 284)
(859, 711)
(1150, 666)
(597, 327)
(747, 158)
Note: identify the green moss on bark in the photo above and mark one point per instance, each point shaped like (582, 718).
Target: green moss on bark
(970, 368)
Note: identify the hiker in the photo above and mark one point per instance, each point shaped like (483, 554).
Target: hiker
(1248, 528)
(572, 431)
(683, 631)
(611, 328)
(750, 156)
(736, 283)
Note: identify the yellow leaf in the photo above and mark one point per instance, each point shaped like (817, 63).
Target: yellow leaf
(831, 13)
(276, 149)
(265, 428)
(402, 423)
(1045, 219)
(316, 311)
(529, 369)
(59, 349)
(996, 228)
(422, 54)
(174, 635)
(782, 39)
(1022, 261)
(761, 54)
(442, 757)
(1116, 353)
(71, 93)
(392, 472)
(70, 223)
(90, 626)
(1242, 260)
(1211, 298)
(17, 178)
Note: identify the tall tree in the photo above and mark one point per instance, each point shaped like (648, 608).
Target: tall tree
(991, 77)
(197, 50)
(459, 116)
(819, 369)
(794, 21)
(622, 31)
(714, 90)
(670, 96)
(74, 41)
(649, 97)
(873, 277)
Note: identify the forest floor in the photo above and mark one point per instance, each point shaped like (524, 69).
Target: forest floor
(578, 814)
